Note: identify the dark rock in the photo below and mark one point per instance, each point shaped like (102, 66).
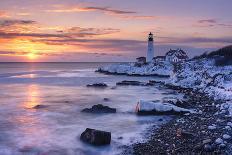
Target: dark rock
(98, 85)
(96, 137)
(99, 109)
(120, 137)
(132, 83)
(40, 106)
(208, 148)
(29, 150)
(106, 99)
(186, 134)
(152, 82)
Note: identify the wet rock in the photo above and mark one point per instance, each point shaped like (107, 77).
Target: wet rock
(106, 99)
(132, 83)
(96, 137)
(155, 82)
(114, 87)
(40, 106)
(120, 137)
(98, 85)
(99, 109)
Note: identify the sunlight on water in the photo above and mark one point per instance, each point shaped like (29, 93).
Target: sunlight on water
(32, 96)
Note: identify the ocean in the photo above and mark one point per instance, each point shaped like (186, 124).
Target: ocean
(62, 88)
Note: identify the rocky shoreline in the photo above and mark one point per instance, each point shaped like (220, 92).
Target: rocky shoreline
(132, 74)
(196, 133)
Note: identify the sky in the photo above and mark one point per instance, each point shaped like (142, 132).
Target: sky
(110, 30)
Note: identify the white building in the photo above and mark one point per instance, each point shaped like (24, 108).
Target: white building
(150, 48)
(175, 56)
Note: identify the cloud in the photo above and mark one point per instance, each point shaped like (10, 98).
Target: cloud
(211, 23)
(125, 14)
(6, 23)
(90, 9)
(74, 32)
(26, 28)
(23, 14)
(16, 26)
(196, 40)
(3, 14)
(83, 32)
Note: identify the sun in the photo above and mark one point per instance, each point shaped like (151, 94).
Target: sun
(31, 56)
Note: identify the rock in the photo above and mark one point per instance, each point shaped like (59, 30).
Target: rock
(208, 148)
(157, 108)
(40, 106)
(186, 134)
(120, 137)
(219, 141)
(114, 87)
(222, 146)
(132, 83)
(98, 85)
(106, 99)
(96, 137)
(99, 109)
(225, 136)
(206, 141)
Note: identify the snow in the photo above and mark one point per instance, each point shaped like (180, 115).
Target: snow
(161, 68)
(159, 107)
(219, 141)
(199, 74)
(229, 124)
(212, 127)
(225, 136)
(228, 128)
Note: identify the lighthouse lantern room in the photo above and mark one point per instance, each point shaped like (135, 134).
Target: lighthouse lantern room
(150, 48)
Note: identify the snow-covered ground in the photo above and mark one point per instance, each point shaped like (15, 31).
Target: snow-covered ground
(163, 69)
(204, 76)
(200, 74)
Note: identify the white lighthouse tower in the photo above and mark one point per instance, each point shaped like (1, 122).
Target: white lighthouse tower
(150, 48)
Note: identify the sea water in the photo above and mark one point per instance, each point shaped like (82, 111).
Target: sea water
(56, 129)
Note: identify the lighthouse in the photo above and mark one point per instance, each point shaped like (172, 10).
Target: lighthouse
(150, 48)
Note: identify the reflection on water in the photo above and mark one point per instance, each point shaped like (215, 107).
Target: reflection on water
(25, 76)
(33, 97)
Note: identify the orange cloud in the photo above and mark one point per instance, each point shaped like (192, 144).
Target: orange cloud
(4, 14)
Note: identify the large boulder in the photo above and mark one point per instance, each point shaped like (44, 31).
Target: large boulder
(158, 108)
(40, 106)
(98, 85)
(99, 108)
(96, 137)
